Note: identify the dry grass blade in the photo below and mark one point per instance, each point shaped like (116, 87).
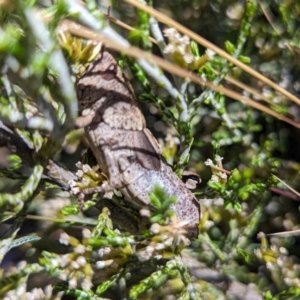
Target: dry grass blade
(86, 33)
(170, 22)
(248, 89)
(285, 233)
(271, 19)
(127, 27)
(229, 79)
(286, 185)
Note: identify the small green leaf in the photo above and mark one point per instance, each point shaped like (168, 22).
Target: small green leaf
(230, 48)
(244, 59)
(238, 207)
(195, 49)
(246, 256)
(15, 162)
(70, 210)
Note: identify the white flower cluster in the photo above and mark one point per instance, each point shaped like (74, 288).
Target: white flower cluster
(218, 174)
(178, 45)
(73, 264)
(35, 294)
(85, 175)
(165, 238)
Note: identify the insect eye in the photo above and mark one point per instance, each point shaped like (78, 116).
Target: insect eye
(111, 72)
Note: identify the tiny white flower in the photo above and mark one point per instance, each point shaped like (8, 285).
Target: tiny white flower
(176, 37)
(145, 212)
(103, 264)
(79, 165)
(109, 194)
(75, 265)
(208, 162)
(222, 175)
(164, 236)
(75, 190)
(100, 264)
(63, 276)
(86, 233)
(103, 251)
(258, 253)
(159, 246)
(143, 256)
(274, 248)
(280, 262)
(219, 158)
(170, 32)
(86, 284)
(64, 239)
(215, 178)
(79, 173)
(155, 228)
(150, 249)
(86, 181)
(235, 11)
(72, 183)
(81, 261)
(79, 249)
(48, 290)
(168, 242)
(287, 281)
(185, 40)
(86, 168)
(72, 283)
(210, 53)
(208, 224)
(283, 251)
(21, 290)
(188, 58)
(169, 49)
(62, 262)
(37, 293)
(270, 265)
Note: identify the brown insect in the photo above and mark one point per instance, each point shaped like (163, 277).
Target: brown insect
(125, 149)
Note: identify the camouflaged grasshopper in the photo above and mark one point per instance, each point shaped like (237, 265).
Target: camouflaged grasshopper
(125, 149)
